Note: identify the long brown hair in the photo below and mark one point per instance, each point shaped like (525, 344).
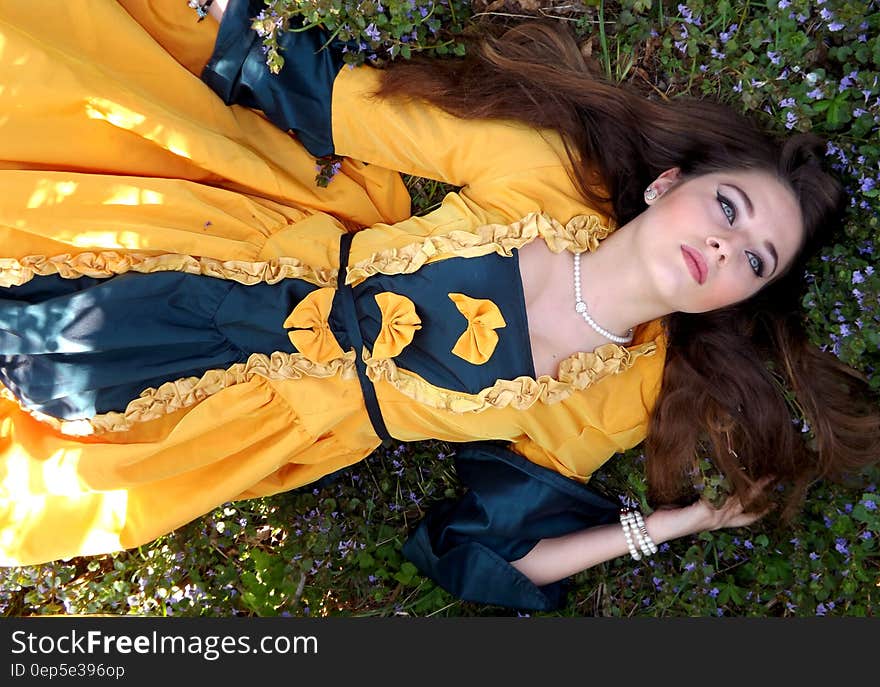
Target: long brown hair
(731, 376)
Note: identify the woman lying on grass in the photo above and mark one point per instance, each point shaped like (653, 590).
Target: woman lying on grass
(187, 319)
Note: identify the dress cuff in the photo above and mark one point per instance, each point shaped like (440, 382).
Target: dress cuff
(296, 99)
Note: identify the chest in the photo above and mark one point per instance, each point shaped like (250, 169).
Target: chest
(556, 331)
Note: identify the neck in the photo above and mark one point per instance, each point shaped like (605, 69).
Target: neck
(614, 285)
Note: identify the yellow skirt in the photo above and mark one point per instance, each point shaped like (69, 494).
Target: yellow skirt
(111, 147)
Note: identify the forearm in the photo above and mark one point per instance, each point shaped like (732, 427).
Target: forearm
(555, 559)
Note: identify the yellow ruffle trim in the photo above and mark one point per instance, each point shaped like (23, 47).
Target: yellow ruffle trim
(314, 338)
(576, 372)
(479, 340)
(581, 233)
(108, 263)
(153, 403)
(399, 324)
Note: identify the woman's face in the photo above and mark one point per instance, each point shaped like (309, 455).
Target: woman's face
(713, 240)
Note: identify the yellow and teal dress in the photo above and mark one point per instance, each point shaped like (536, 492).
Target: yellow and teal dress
(187, 319)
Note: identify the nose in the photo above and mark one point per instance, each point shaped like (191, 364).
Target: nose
(720, 249)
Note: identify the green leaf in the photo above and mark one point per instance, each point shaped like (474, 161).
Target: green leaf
(838, 113)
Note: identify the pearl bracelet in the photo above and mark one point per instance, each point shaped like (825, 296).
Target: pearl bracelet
(649, 548)
(633, 525)
(628, 524)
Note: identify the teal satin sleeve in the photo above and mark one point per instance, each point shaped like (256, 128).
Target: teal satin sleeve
(465, 545)
(298, 98)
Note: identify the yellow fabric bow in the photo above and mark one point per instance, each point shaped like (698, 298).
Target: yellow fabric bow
(313, 337)
(478, 342)
(399, 324)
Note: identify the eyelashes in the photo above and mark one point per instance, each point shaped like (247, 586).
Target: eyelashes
(729, 210)
(756, 263)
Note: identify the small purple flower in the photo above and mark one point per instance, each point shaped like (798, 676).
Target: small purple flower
(690, 566)
(658, 583)
(826, 14)
(848, 81)
(869, 505)
(786, 102)
(738, 88)
(844, 331)
(867, 184)
(857, 277)
(836, 26)
(814, 556)
(717, 55)
(372, 32)
(816, 93)
(687, 15)
(714, 592)
(725, 35)
(782, 4)
(790, 119)
(840, 546)
(821, 610)
(774, 57)
(748, 544)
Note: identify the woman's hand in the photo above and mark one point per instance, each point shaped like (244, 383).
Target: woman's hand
(730, 514)
(702, 516)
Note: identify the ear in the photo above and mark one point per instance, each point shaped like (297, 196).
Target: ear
(663, 183)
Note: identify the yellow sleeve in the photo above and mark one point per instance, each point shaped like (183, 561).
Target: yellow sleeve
(506, 168)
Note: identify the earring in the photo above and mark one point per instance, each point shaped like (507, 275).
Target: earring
(650, 194)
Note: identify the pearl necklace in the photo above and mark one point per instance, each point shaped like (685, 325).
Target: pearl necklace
(581, 308)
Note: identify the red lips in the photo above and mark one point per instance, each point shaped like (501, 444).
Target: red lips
(696, 263)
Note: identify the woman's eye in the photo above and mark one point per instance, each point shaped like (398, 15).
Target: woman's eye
(756, 263)
(727, 208)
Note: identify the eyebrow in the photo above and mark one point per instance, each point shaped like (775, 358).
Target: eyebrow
(748, 201)
(772, 251)
(750, 209)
